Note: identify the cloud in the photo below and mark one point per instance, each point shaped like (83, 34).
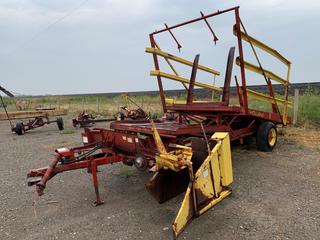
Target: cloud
(100, 46)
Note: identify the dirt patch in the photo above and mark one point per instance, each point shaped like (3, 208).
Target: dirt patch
(275, 195)
(302, 136)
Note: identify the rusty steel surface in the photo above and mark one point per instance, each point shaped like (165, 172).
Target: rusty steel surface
(22, 127)
(85, 119)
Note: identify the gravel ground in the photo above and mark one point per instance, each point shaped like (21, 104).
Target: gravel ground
(275, 196)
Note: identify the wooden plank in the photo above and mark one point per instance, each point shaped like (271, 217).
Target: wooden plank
(32, 114)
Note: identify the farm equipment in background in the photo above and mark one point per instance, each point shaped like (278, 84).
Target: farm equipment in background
(189, 152)
(40, 117)
(23, 126)
(22, 104)
(85, 119)
(9, 94)
(133, 114)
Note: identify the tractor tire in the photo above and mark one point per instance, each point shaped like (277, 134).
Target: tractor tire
(19, 129)
(267, 136)
(60, 123)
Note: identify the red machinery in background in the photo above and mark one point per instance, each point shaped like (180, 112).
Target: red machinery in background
(23, 126)
(152, 145)
(86, 119)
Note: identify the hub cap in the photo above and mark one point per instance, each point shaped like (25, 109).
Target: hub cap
(272, 137)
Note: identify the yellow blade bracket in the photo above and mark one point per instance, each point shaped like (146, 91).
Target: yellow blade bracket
(209, 185)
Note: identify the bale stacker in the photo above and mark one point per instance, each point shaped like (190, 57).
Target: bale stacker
(189, 152)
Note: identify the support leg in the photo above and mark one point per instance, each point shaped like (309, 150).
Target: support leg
(95, 184)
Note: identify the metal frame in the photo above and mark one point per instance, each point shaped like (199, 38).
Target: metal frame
(243, 92)
(22, 127)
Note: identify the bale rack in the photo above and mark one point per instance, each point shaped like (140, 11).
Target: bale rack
(190, 150)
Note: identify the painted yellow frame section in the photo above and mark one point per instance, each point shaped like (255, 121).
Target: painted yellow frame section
(269, 74)
(257, 69)
(183, 80)
(180, 60)
(267, 98)
(211, 181)
(263, 47)
(172, 101)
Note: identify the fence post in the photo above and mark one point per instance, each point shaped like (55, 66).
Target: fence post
(98, 107)
(295, 106)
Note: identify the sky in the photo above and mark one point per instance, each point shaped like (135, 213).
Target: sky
(96, 46)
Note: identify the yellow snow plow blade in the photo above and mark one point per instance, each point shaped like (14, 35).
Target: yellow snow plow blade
(208, 186)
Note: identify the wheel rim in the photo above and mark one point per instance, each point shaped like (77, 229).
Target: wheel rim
(272, 137)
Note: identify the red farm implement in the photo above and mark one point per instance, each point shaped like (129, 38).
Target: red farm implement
(41, 117)
(85, 119)
(189, 152)
(23, 126)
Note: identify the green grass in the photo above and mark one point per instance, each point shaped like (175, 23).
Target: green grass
(309, 109)
(309, 104)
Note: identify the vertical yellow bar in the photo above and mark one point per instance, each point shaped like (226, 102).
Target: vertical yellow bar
(225, 158)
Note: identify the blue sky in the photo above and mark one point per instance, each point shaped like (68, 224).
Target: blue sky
(62, 47)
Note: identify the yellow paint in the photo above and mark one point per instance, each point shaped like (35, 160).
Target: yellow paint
(257, 69)
(183, 80)
(267, 98)
(263, 47)
(209, 183)
(175, 160)
(180, 60)
(285, 110)
(215, 201)
(172, 101)
(160, 147)
(254, 42)
(272, 137)
(170, 64)
(225, 158)
(185, 213)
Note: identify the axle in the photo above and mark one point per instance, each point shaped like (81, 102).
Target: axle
(22, 127)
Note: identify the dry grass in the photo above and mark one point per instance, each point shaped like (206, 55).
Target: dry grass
(306, 136)
(309, 105)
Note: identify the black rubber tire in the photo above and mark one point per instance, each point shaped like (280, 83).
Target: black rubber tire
(60, 123)
(263, 132)
(19, 129)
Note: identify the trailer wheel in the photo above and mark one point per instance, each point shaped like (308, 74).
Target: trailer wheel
(19, 129)
(267, 136)
(60, 123)
(140, 162)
